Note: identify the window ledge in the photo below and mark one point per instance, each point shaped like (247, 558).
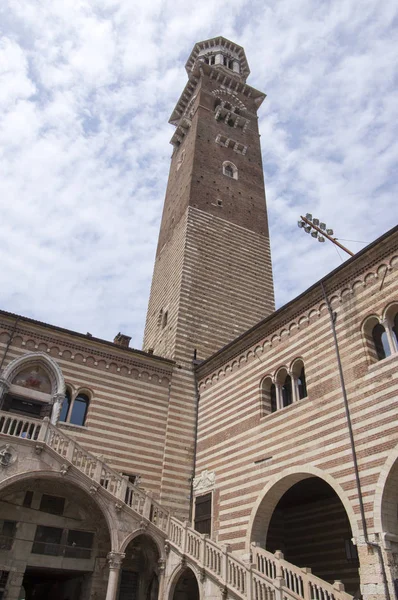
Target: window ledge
(72, 426)
(285, 408)
(384, 361)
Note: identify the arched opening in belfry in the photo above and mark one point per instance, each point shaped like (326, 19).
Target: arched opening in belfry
(139, 576)
(186, 587)
(307, 521)
(53, 537)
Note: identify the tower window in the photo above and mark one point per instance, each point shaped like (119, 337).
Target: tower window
(230, 170)
(165, 319)
(228, 62)
(210, 60)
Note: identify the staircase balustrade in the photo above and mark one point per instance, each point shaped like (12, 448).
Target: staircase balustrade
(270, 577)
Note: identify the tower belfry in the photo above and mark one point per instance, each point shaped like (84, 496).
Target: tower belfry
(213, 277)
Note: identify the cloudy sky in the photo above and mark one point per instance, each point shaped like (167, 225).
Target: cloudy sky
(86, 90)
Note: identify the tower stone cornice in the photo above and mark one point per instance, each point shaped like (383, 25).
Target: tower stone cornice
(223, 45)
(225, 79)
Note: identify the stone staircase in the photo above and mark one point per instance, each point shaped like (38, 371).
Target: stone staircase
(268, 577)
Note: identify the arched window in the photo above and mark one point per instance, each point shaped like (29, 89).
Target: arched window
(230, 170)
(268, 396)
(395, 328)
(74, 408)
(391, 322)
(287, 392)
(380, 341)
(299, 380)
(274, 405)
(79, 410)
(302, 384)
(65, 406)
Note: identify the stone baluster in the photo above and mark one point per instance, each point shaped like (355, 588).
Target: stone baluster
(184, 541)
(121, 493)
(147, 506)
(279, 581)
(98, 471)
(202, 552)
(70, 451)
(224, 565)
(115, 560)
(42, 437)
(307, 595)
(250, 592)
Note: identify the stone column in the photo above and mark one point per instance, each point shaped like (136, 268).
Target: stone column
(161, 570)
(115, 560)
(57, 400)
(371, 571)
(4, 386)
(14, 583)
(390, 336)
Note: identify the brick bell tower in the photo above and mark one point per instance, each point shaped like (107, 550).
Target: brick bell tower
(213, 277)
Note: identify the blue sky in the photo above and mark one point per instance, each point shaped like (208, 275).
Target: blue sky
(86, 90)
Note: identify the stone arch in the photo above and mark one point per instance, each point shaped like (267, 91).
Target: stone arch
(307, 515)
(102, 504)
(37, 358)
(385, 473)
(176, 577)
(274, 490)
(156, 539)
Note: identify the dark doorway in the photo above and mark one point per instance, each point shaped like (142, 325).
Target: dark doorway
(187, 587)
(139, 578)
(48, 584)
(311, 527)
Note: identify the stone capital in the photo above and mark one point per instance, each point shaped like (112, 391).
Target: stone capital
(115, 559)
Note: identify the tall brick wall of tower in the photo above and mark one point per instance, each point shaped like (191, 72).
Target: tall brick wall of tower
(224, 262)
(250, 452)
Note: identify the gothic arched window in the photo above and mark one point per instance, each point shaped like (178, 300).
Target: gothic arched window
(287, 392)
(74, 408)
(302, 384)
(65, 406)
(268, 396)
(79, 410)
(380, 341)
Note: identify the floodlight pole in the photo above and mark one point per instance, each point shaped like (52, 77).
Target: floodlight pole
(329, 237)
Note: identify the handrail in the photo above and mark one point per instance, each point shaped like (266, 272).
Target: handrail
(268, 577)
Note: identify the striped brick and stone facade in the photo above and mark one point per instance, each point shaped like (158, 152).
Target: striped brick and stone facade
(257, 456)
(272, 433)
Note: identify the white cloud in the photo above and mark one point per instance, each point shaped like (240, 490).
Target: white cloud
(86, 90)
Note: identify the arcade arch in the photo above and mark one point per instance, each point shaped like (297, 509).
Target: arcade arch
(308, 518)
(185, 586)
(56, 536)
